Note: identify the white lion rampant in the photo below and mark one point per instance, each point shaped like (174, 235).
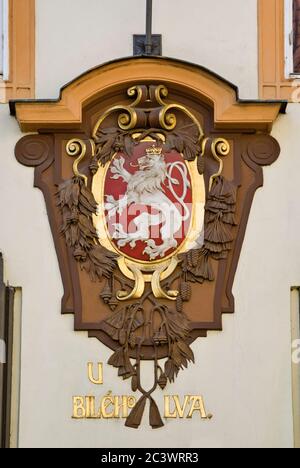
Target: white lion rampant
(145, 187)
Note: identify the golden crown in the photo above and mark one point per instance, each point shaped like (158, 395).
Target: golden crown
(154, 150)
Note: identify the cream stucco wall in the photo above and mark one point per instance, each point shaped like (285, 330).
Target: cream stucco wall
(74, 35)
(243, 372)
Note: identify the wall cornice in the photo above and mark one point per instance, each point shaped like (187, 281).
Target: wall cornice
(66, 112)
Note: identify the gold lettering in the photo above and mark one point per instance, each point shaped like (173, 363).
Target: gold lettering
(179, 410)
(78, 408)
(99, 379)
(115, 407)
(106, 402)
(122, 405)
(168, 413)
(118, 406)
(194, 402)
(110, 406)
(128, 402)
(197, 404)
(91, 408)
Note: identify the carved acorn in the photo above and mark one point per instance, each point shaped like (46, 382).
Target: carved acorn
(179, 304)
(185, 291)
(80, 254)
(94, 166)
(162, 381)
(106, 293)
(113, 303)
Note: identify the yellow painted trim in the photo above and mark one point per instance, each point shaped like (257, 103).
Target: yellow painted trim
(67, 112)
(21, 83)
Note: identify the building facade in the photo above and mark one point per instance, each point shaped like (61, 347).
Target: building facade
(248, 373)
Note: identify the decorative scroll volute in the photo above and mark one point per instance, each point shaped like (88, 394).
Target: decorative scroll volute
(34, 150)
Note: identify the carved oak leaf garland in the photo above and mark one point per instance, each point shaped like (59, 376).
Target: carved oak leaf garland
(219, 219)
(185, 140)
(77, 205)
(109, 141)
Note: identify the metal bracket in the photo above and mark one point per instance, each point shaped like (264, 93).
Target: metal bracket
(139, 44)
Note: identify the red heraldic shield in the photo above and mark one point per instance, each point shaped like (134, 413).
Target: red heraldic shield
(148, 202)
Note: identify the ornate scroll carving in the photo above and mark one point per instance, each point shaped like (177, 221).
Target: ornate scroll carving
(156, 296)
(263, 149)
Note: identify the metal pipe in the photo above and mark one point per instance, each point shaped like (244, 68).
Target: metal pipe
(148, 44)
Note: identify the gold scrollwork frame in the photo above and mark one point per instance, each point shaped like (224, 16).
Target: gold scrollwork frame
(127, 119)
(157, 270)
